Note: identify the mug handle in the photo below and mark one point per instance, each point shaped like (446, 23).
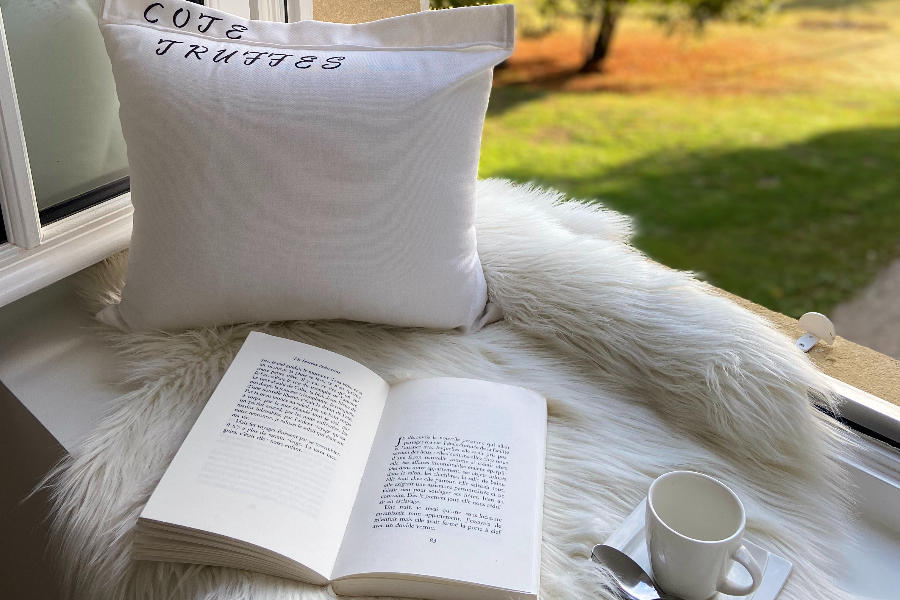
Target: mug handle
(731, 588)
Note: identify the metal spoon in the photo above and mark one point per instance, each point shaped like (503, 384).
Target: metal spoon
(629, 575)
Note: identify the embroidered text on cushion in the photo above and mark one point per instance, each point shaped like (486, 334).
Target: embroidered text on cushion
(305, 170)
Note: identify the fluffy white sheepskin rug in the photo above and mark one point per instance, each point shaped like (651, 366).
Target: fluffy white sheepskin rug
(645, 369)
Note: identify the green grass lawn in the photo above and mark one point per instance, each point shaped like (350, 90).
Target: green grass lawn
(790, 199)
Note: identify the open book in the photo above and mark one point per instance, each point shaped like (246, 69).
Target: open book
(307, 465)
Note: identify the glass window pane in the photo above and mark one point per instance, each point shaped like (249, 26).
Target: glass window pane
(67, 97)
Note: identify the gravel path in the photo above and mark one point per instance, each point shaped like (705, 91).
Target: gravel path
(872, 319)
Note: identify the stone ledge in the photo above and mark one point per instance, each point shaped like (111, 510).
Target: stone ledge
(356, 11)
(851, 363)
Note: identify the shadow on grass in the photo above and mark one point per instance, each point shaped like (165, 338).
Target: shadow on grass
(508, 97)
(827, 4)
(796, 228)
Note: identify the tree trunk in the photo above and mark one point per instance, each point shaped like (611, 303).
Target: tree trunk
(609, 15)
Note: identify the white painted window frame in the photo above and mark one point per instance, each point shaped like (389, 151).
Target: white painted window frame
(258, 10)
(33, 255)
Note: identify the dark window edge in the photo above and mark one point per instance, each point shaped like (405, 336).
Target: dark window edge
(860, 428)
(88, 199)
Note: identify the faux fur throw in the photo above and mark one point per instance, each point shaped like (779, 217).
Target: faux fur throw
(645, 370)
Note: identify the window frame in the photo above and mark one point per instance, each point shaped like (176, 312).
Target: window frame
(258, 10)
(36, 255)
(20, 211)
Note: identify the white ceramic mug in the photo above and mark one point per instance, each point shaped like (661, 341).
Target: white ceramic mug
(695, 525)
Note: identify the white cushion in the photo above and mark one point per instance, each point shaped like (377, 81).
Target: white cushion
(305, 170)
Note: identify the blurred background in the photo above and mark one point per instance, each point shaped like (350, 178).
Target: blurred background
(755, 144)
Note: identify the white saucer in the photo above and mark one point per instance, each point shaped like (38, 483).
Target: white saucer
(630, 539)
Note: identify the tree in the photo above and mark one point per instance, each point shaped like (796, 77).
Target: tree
(609, 10)
(603, 15)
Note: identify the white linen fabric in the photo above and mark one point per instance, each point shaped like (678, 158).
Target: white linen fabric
(302, 170)
(645, 370)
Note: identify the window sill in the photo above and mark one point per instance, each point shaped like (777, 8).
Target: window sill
(853, 365)
(66, 247)
(55, 363)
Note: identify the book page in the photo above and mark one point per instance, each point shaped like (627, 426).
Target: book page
(276, 457)
(454, 486)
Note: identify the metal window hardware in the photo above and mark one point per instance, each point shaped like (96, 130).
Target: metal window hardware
(818, 327)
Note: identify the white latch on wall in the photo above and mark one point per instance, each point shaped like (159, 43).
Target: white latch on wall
(818, 327)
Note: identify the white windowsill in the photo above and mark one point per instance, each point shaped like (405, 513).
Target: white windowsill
(53, 360)
(67, 246)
